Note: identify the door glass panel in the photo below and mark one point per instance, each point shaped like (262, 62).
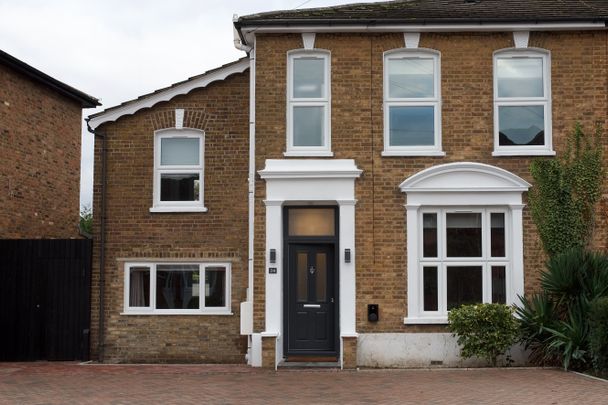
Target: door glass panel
(321, 277)
(430, 288)
(174, 286)
(497, 234)
(499, 285)
(463, 234)
(139, 287)
(429, 230)
(302, 279)
(311, 222)
(215, 287)
(464, 286)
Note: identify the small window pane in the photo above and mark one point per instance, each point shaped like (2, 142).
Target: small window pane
(139, 287)
(311, 222)
(523, 125)
(429, 235)
(520, 77)
(308, 125)
(180, 151)
(321, 277)
(411, 126)
(179, 187)
(499, 285)
(177, 286)
(308, 77)
(410, 78)
(215, 287)
(430, 288)
(497, 234)
(302, 280)
(464, 286)
(463, 234)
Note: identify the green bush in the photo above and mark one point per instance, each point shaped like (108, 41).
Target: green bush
(598, 334)
(484, 330)
(555, 322)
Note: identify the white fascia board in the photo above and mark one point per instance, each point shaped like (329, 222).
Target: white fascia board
(169, 93)
(574, 26)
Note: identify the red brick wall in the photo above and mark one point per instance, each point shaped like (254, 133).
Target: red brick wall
(221, 110)
(39, 160)
(579, 92)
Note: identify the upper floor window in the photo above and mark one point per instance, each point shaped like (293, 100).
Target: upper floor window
(308, 103)
(522, 103)
(178, 171)
(412, 107)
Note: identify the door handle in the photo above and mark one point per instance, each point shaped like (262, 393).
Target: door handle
(311, 305)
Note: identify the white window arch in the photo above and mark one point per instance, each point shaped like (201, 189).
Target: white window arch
(308, 103)
(179, 170)
(522, 102)
(412, 103)
(464, 238)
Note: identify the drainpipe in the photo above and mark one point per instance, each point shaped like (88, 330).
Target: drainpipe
(239, 43)
(102, 244)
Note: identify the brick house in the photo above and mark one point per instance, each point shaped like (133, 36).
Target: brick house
(40, 130)
(337, 192)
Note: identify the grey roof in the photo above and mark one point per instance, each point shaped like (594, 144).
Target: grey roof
(84, 99)
(437, 12)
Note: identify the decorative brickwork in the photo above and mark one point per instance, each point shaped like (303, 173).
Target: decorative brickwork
(134, 233)
(40, 133)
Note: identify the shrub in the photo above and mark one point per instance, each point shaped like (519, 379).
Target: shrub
(484, 330)
(562, 201)
(598, 334)
(555, 323)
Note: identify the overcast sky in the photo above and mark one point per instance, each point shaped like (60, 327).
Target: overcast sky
(116, 50)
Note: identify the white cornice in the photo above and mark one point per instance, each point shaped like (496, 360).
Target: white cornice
(164, 95)
(309, 169)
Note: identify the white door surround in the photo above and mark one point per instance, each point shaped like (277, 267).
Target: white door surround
(309, 182)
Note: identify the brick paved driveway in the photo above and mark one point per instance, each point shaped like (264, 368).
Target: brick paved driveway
(63, 383)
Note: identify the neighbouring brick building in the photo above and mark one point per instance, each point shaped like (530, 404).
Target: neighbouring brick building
(387, 147)
(40, 130)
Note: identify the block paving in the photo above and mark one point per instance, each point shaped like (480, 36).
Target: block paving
(72, 383)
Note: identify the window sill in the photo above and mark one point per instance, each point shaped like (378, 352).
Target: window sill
(524, 152)
(308, 153)
(426, 321)
(394, 153)
(178, 209)
(148, 313)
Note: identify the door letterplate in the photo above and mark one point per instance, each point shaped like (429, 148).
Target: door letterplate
(312, 305)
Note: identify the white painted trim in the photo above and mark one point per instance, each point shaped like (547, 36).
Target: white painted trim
(474, 187)
(178, 206)
(434, 101)
(308, 40)
(309, 169)
(324, 102)
(521, 38)
(411, 39)
(151, 310)
(167, 94)
(299, 153)
(545, 102)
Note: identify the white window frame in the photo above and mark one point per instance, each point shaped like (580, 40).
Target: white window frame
(442, 261)
(178, 206)
(151, 310)
(325, 102)
(435, 102)
(545, 101)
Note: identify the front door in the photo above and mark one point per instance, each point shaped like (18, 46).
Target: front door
(310, 300)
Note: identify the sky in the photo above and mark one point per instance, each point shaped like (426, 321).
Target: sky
(117, 50)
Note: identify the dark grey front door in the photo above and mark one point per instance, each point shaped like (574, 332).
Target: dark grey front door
(310, 300)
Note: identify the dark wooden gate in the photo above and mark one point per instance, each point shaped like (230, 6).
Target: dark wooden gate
(45, 299)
